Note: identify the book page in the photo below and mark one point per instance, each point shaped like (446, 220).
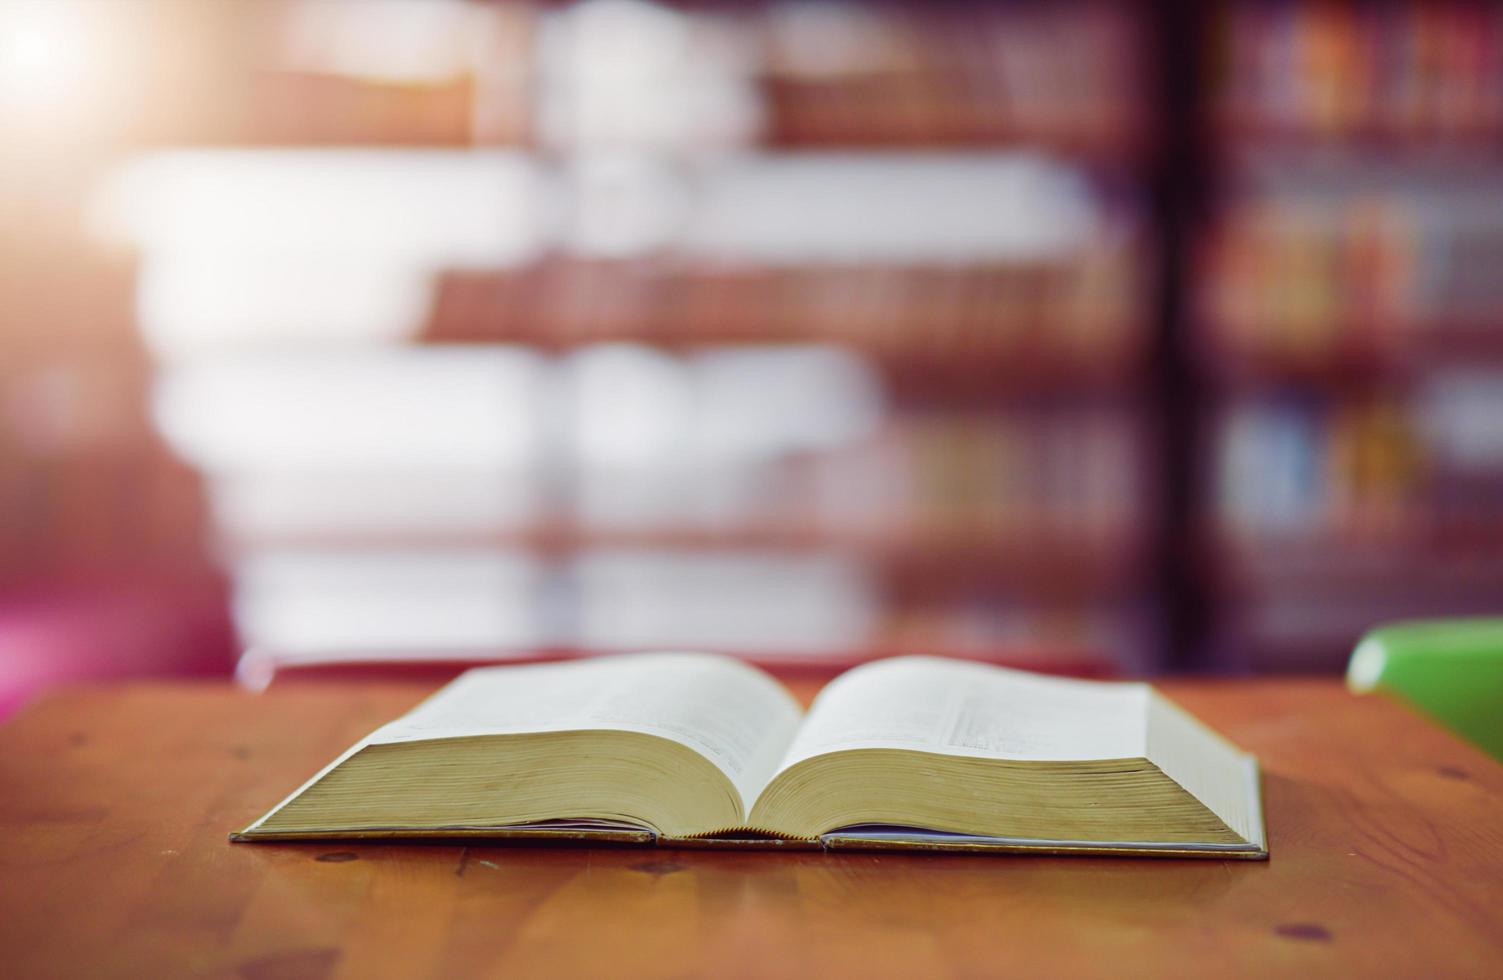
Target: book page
(732, 714)
(928, 704)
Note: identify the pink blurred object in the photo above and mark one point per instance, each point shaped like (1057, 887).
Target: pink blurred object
(74, 632)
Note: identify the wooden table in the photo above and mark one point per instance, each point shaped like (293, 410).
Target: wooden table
(1386, 834)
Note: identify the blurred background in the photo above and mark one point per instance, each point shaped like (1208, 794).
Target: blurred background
(1106, 338)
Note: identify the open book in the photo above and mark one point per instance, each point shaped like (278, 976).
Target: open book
(701, 750)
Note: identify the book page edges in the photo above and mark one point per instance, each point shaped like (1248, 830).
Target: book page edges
(250, 830)
(1205, 764)
(1255, 849)
(912, 841)
(830, 842)
(1254, 777)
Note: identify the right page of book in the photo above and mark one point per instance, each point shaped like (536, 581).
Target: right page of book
(929, 704)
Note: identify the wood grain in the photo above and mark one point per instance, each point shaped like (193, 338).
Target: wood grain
(1387, 840)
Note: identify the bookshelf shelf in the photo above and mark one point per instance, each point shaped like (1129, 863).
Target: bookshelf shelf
(1073, 562)
(964, 374)
(1251, 133)
(876, 111)
(1077, 323)
(952, 203)
(1413, 353)
(1346, 324)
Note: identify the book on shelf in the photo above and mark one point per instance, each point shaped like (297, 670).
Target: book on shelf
(911, 753)
(1394, 71)
(910, 75)
(1320, 275)
(1085, 308)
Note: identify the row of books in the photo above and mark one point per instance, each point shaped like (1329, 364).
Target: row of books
(281, 108)
(758, 444)
(1335, 512)
(668, 76)
(1067, 76)
(956, 518)
(1090, 306)
(1292, 467)
(1349, 272)
(1382, 471)
(1072, 476)
(942, 252)
(688, 510)
(1409, 71)
(1306, 275)
(1103, 635)
(987, 489)
(820, 606)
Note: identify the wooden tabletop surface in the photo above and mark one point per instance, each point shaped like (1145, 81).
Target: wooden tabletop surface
(1386, 837)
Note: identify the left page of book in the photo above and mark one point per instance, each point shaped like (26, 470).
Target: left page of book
(734, 715)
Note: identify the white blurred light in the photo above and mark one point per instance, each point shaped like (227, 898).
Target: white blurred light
(822, 38)
(897, 207)
(400, 408)
(42, 50)
(1366, 667)
(631, 412)
(419, 602)
(760, 403)
(662, 440)
(250, 246)
(1461, 412)
(731, 602)
(382, 40)
(190, 302)
(635, 74)
(373, 504)
(434, 207)
(624, 204)
(633, 406)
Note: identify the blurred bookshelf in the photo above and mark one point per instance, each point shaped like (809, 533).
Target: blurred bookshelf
(900, 75)
(1112, 336)
(1360, 75)
(698, 76)
(819, 325)
(1350, 324)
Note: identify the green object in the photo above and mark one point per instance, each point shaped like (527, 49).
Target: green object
(1450, 669)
